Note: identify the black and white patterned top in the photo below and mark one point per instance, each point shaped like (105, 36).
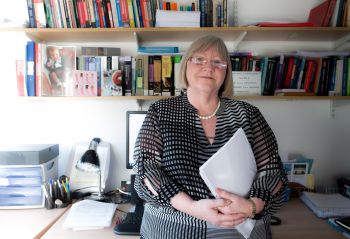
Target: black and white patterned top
(171, 147)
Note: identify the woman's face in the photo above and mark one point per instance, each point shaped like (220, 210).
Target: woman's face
(206, 72)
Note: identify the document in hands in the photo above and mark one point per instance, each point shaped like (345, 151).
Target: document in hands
(233, 169)
(89, 214)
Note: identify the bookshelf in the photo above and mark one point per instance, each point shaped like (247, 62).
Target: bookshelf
(144, 35)
(183, 34)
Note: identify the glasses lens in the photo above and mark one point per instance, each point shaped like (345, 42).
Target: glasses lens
(219, 64)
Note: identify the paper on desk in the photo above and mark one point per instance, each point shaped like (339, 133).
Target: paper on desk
(232, 168)
(89, 214)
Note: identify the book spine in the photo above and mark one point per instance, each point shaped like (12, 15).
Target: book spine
(39, 13)
(31, 14)
(20, 64)
(30, 68)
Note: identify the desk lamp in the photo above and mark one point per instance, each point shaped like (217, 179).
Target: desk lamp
(90, 163)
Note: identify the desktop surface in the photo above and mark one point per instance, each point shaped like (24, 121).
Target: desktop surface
(297, 222)
(27, 223)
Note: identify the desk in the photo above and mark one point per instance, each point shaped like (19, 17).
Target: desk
(297, 222)
(57, 232)
(27, 223)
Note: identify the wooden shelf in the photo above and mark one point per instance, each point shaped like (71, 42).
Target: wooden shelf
(185, 34)
(153, 98)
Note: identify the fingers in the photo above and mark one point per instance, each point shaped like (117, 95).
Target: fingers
(220, 203)
(223, 194)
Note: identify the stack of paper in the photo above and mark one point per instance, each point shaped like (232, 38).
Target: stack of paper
(236, 163)
(327, 205)
(89, 214)
(177, 18)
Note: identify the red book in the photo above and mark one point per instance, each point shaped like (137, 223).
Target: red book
(285, 24)
(20, 77)
(318, 14)
(330, 11)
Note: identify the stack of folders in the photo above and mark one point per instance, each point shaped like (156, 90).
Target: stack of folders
(327, 205)
(89, 214)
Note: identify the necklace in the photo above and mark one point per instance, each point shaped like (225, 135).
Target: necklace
(207, 117)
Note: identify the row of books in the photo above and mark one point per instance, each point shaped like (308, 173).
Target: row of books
(123, 13)
(52, 70)
(304, 73)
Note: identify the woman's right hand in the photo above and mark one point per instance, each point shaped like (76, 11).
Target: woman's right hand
(204, 209)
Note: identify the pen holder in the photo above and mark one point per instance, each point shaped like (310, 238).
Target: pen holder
(57, 193)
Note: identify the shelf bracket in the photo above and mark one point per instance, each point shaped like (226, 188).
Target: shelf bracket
(239, 40)
(139, 104)
(338, 44)
(137, 39)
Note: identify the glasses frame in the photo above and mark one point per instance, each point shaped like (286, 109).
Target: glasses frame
(201, 61)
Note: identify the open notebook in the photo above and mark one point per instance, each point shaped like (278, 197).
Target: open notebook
(232, 168)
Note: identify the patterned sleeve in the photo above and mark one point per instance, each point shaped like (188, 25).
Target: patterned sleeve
(270, 171)
(148, 154)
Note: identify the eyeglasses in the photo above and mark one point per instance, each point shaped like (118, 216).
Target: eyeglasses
(198, 60)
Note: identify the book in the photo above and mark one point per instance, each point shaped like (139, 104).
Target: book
(31, 14)
(293, 92)
(285, 24)
(100, 51)
(158, 49)
(30, 68)
(344, 222)
(58, 62)
(84, 83)
(20, 64)
(236, 163)
(319, 15)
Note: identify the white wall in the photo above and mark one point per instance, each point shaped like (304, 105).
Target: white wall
(300, 126)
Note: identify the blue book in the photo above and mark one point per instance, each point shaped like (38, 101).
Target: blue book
(30, 68)
(30, 6)
(119, 14)
(97, 17)
(159, 49)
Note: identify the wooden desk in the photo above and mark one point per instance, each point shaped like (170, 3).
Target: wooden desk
(57, 231)
(27, 223)
(297, 222)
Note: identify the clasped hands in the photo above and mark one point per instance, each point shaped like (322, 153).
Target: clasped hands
(227, 211)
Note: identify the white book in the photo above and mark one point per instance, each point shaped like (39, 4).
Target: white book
(232, 168)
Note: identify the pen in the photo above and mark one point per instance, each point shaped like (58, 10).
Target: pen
(51, 189)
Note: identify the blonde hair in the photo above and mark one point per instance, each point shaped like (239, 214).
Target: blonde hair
(200, 45)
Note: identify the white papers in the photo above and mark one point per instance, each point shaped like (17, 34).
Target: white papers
(89, 214)
(177, 18)
(246, 82)
(232, 168)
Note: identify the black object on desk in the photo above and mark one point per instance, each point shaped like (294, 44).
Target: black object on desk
(131, 224)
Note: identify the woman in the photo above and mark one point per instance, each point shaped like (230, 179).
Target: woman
(179, 134)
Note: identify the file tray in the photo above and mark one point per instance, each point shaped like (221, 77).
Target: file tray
(23, 172)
